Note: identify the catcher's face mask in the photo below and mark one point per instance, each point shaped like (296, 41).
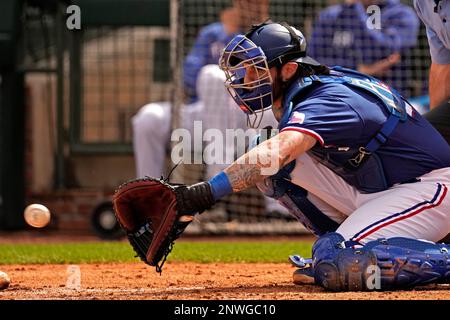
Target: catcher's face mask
(248, 78)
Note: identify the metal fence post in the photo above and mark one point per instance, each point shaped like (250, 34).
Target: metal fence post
(60, 167)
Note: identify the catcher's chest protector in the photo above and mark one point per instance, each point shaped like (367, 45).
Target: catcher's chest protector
(359, 166)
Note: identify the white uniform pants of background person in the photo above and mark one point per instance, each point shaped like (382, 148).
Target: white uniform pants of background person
(215, 110)
(419, 210)
(151, 134)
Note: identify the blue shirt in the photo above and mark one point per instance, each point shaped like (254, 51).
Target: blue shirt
(207, 49)
(340, 116)
(438, 28)
(341, 37)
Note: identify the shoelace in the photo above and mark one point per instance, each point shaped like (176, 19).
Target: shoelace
(171, 171)
(180, 228)
(166, 253)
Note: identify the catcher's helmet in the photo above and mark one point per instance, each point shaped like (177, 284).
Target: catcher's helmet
(280, 43)
(265, 46)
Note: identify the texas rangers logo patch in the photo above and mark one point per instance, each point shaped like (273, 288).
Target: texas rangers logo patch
(297, 118)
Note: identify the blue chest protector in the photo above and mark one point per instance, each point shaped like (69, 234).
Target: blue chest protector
(359, 166)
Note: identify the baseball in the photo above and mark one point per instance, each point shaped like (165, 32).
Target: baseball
(37, 215)
(4, 280)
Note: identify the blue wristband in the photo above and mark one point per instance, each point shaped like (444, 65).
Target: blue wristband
(220, 186)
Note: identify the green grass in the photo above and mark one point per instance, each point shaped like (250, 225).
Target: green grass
(109, 252)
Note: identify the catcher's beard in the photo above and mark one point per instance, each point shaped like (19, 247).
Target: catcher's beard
(278, 89)
(279, 86)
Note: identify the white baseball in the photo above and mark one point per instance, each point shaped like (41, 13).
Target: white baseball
(4, 280)
(37, 215)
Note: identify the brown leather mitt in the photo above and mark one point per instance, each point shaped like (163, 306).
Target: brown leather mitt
(154, 213)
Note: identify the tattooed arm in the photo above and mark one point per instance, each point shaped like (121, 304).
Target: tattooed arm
(267, 158)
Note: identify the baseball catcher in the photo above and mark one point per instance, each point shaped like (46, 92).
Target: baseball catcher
(352, 161)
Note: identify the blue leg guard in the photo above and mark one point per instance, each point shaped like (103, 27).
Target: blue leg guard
(384, 264)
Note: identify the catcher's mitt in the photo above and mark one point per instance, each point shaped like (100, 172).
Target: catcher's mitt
(154, 213)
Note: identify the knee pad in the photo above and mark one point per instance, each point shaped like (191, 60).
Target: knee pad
(405, 263)
(384, 264)
(338, 268)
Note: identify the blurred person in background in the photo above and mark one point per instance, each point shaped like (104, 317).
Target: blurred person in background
(206, 99)
(351, 35)
(436, 17)
(152, 124)
(214, 37)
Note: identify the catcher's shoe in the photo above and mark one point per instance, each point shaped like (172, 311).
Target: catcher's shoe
(304, 274)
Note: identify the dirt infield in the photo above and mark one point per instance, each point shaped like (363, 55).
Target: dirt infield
(182, 281)
(178, 281)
